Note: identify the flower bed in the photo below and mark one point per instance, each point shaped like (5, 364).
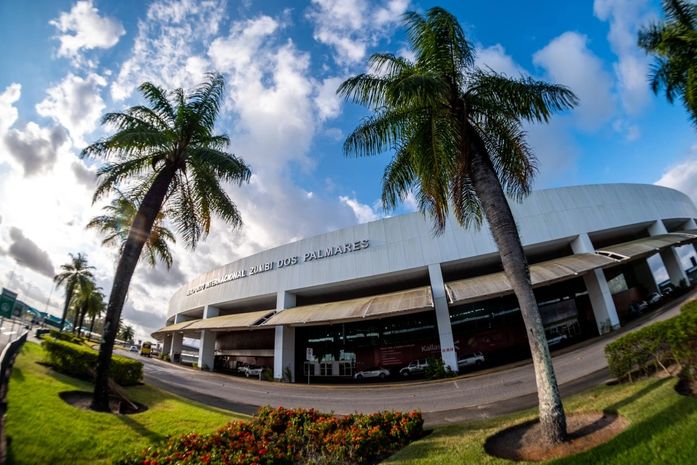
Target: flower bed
(284, 436)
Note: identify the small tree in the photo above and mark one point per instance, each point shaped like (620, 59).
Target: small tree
(74, 275)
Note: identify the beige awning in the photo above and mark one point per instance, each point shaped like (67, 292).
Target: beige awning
(230, 322)
(543, 273)
(173, 328)
(412, 301)
(645, 246)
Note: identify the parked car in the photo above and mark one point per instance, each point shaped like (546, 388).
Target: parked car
(417, 367)
(655, 298)
(468, 360)
(249, 371)
(638, 307)
(556, 340)
(374, 372)
(133, 349)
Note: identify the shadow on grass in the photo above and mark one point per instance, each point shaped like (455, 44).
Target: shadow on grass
(17, 374)
(637, 395)
(139, 428)
(638, 434)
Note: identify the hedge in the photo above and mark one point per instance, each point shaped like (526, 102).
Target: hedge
(80, 361)
(279, 436)
(656, 346)
(68, 337)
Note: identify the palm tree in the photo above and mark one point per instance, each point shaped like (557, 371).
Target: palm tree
(95, 310)
(674, 44)
(116, 222)
(127, 333)
(456, 131)
(74, 275)
(86, 301)
(167, 153)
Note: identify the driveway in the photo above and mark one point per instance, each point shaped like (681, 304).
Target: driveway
(482, 395)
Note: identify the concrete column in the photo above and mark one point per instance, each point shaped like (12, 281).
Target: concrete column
(176, 348)
(445, 330)
(167, 344)
(284, 342)
(670, 257)
(691, 225)
(206, 350)
(598, 291)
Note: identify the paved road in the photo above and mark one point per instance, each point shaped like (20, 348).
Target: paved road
(445, 401)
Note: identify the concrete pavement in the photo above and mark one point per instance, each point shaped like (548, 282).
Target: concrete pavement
(479, 395)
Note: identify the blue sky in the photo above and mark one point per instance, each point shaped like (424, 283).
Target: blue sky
(65, 63)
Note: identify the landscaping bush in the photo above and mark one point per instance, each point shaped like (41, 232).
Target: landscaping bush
(285, 436)
(437, 369)
(80, 361)
(69, 337)
(657, 345)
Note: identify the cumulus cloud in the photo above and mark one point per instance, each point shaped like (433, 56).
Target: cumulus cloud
(682, 177)
(34, 148)
(168, 46)
(632, 66)
(83, 174)
(363, 213)
(8, 112)
(496, 59)
(568, 61)
(82, 28)
(26, 252)
(349, 28)
(76, 104)
(327, 101)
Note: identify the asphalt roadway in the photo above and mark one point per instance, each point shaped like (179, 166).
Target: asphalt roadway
(480, 395)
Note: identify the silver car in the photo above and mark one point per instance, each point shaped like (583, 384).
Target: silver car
(375, 372)
(473, 359)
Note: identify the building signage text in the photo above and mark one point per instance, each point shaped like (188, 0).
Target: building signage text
(312, 255)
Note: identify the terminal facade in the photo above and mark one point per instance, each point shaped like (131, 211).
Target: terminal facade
(388, 292)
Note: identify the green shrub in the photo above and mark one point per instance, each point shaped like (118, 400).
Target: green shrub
(282, 436)
(69, 337)
(80, 361)
(437, 369)
(657, 345)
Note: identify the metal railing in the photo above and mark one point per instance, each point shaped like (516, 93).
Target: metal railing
(12, 337)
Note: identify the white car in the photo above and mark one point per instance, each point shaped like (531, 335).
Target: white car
(473, 359)
(416, 367)
(375, 372)
(249, 371)
(556, 340)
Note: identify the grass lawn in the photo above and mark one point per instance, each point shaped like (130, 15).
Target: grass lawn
(662, 430)
(43, 429)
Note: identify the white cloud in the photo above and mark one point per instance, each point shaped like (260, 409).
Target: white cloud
(34, 148)
(363, 213)
(76, 104)
(568, 61)
(169, 45)
(327, 101)
(682, 177)
(351, 27)
(496, 58)
(8, 112)
(632, 67)
(84, 29)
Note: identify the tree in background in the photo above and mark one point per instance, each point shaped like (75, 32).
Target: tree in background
(117, 221)
(127, 333)
(456, 131)
(674, 44)
(74, 275)
(86, 300)
(169, 157)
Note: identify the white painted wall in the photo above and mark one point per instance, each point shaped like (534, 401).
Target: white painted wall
(407, 242)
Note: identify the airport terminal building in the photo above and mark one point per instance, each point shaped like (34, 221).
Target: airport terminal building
(388, 292)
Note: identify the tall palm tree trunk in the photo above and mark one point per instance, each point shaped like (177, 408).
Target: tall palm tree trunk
(515, 265)
(68, 298)
(83, 312)
(92, 326)
(137, 235)
(76, 318)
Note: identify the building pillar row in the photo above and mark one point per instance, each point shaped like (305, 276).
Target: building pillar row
(445, 330)
(167, 344)
(599, 294)
(206, 348)
(691, 225)
(670, 257)
(284, 340)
